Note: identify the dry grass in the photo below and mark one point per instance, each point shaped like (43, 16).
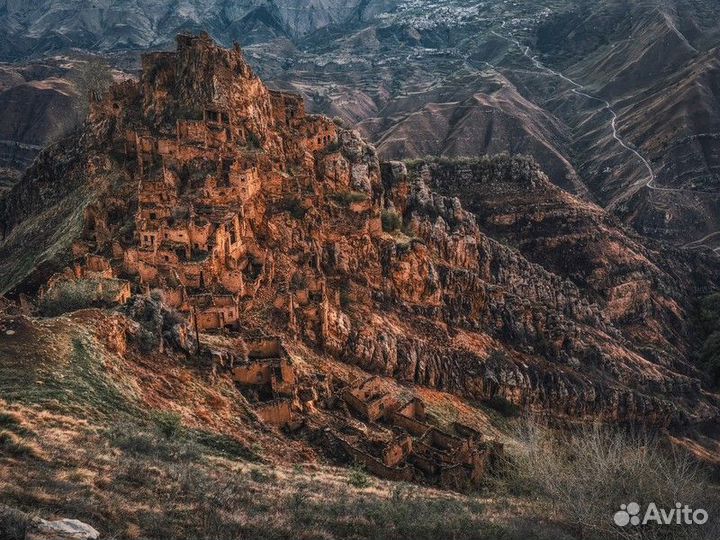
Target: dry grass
(12, 444)
(582, 478)
(152, 475)
(144, 447)
(135, 482)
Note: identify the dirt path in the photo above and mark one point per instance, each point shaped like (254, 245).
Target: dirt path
(578, 89)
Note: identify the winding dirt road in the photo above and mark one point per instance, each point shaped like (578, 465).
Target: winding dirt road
(579, 90)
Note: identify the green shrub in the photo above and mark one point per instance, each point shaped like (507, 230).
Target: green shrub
(293, 206)
(135, 472)
(152, 444)
(415, 163)
(503, 406)
(333, 147)
(187, 113)
(345, 293)
(219, 444)
(347, 198)
(256, 449)
(169, 423)
(299, 282)
(67, 300)
(391, 220)
(68, 295)
(261, 477)
(358, 478)
(254, 141)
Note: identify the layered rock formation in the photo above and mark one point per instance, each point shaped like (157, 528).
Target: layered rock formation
(250, 214)
(644, 287)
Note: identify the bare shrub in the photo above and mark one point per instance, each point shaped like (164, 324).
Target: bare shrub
(586, 476)
(13, 523)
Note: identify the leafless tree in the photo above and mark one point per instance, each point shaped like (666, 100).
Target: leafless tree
(92, 80)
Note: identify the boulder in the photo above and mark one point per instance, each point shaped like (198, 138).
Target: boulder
(64, 529)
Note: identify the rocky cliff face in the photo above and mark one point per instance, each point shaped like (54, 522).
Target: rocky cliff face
(248, 213)
(643, 286)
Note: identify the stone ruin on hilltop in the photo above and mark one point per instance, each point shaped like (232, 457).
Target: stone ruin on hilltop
(224, 211)
(202, 136)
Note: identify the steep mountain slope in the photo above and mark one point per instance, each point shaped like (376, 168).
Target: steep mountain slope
(514, 201)
(493, 120)
(654, 64)
(37, 106)
(201, 182)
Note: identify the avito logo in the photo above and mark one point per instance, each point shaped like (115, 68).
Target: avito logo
(629, 514)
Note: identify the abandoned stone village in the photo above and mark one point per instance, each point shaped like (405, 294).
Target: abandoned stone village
(234, 201)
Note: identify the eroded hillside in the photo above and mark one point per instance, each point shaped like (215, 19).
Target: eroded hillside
(268, 229)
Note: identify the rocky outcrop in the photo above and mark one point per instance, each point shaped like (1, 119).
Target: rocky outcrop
(17, 525)
(246, 212)
(644, 287)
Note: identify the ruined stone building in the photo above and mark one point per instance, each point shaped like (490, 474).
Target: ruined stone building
(240, 209)
(264, 373)
(201, 144)
(398, 442)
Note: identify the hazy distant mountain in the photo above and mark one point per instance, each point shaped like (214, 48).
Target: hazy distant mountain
(30, 28)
